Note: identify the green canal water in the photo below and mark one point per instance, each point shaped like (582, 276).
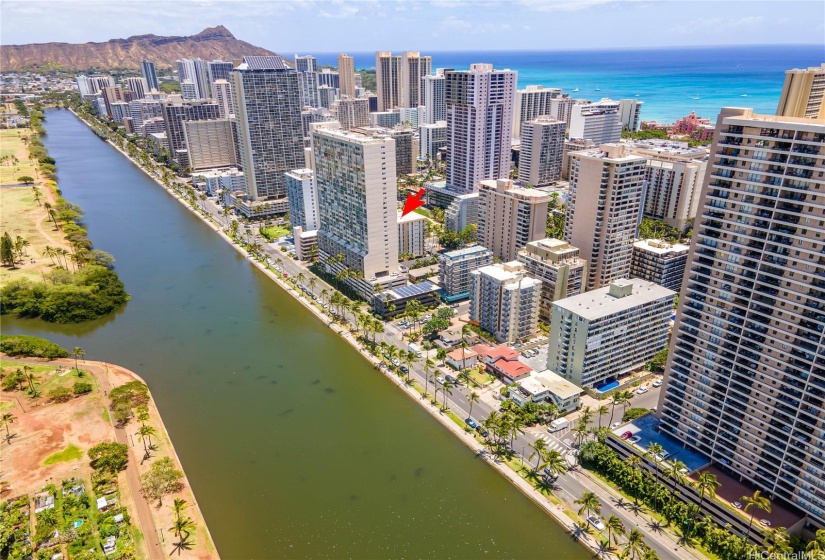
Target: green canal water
(294, 445)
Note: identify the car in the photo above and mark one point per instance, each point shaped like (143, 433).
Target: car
(765, 522)
(286, 275)
(451, 379)
(662, 456)
(596, 522)
(657, 383)
(396, 362)
(483, 432)
(724, 461)
(526, 354)
(634, 440)
(615, 425)
(440, 379)
(472, 423)
(642, 390)
(405, 369)
(626, 435)
(737, 505)
(548, 473)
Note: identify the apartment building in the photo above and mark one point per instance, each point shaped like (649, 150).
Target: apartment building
(533, 102)
(745, 382)
(217, 181)
(353, 113)
(210, 144)
(303, 199)
(504, 301)
(602, 334)
(542, 149)
(659, 262)
(176, 111)
(138, 86)
(149, 73)
(630, 111)
(603, 210)
(434, 100)
(223, 97)
(803, 93)
(413, 68)
(411, 230)
(598, 121)
(307, 69)
(509, 217)
(432, 137)
(454, 268)
(346, 75)
(388, 80)
(558, 266)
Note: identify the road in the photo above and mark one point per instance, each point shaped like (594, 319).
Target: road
(570, 486)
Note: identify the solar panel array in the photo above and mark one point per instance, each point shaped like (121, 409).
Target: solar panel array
(265, 63)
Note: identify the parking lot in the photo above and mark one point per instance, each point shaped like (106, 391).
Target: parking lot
(644, 428)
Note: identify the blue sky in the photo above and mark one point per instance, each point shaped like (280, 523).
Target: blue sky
(289, 26)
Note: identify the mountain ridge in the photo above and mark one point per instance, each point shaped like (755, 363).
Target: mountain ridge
(210, 44)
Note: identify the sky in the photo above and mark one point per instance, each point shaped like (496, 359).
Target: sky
(292, 26)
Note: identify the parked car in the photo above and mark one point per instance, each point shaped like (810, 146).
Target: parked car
(405, 369)
(548, 472)
(472, 423)
(451, 379)
(626, 435)
(634, 440)
(642, 390)
(662, 456)
(483, 432)
(440, 379)
(596, 522)
(615, 425)
(657, 383)
(737, 505)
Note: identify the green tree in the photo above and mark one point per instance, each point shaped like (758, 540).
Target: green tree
(589, 502)
(78, 353)
(816, 547)
(706, 484)
(556, 462)
(6, 420)
(7, 250)
(109, 457)
(472, 398)
(162, 479)
(754, 502)
(145, 434)
(539, 448)
(635, 545)
(602, 410)
(25, 179)
(615, 529)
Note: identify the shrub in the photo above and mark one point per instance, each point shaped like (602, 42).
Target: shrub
(109, 457)
(633, 413)
(32, 346)
(60, 394)
(82, 387)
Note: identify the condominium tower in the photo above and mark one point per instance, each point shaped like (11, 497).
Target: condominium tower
(542, 148)
(479, 124)
(223, 96)
(598, 122)
(745, 378)
(193, 76)
(346, 75)
(559, 268)
(803, 94)
(147, 69)
(353, 113)
(504, 301)
(175, 112)
(303, 199)
(138, 86)
(454, 268)
(531, 103)
(603, 210)
(210, 144)
(659, 262)
(217, 70)
(434, 101)
(387, 80)
(307, 71)
(509, 217)
(413, 68)
(266, 102)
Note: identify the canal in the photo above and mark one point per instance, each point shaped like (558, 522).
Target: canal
(294, 445)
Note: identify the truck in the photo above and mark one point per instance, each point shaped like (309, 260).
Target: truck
(415, 349)
(558, 424)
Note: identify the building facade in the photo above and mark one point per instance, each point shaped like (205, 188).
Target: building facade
(434, 101)
(745, 382)
(542, 149)
(531, 103)
(353, 113)
(223, 97)
(149, 73)
(411, 230)
(659, 262)
(454, 268)
(138, 85)
(346, 75)
(303, 199)
(307, 71)
(599, 335)
(509, 217)
(413, 68)
(630, 111)
(210, 144)
(558, 266)
(603, 210)
(598, 122)
(432, 137)
(176, 111)
(803, 93)
(504, 301)
(387, 80)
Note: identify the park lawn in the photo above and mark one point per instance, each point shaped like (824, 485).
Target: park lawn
(481, 378)
(20, 215)
(64, 379)
(71, 453)
(11, 143)
(13, 364)
(274, 232)
(422, 211)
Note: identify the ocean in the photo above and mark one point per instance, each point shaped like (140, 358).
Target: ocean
(671, 82)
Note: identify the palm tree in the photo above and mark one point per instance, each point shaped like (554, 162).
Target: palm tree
(300, 279)
(616, 398)
(757, 501)
(706, 484)
(634, 463)
(602, 410)
(312, 284)
(615, 527)
(471, 399)
(556, 462)
(516, 425)
(6, 419)
(589, 502)
(539, 448)
(178, 506)
(324, 296)
(635, 544)
(428, 366)
(146, 432)
(816, 547)
(78, 353)
(441, 354)
(445, 389)
(28, 373)
(586, 415)
(654, 451)
(776, 542)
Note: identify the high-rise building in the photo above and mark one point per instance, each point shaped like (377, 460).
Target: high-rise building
(175, 112)
(659, 262)
(194, 74)
(303, 199)
(504, 301)
(603, 210)
(308, 80)
(414, 67)
(630, 111)
(327, 96)
(531, 103)
(509, 217)
(599, 335)
(561, 108)
(112, 94)
(803, 93)
(356, 185)
(598, 122)
(84, 86)
(346, 75)
(266, 102)
(150, 75)
(479, 124)
(210, 144)
(138, 86)
(432, 137)
(411, 232)
(542, 149)
(454, 268)
(434, 100)
(221, 91)
(353, 113)
(98, 82)
(673, 179)
(558, 266)
(387, 80)
(745, 382)
(119, 110)
(217, 70)
(329, 78)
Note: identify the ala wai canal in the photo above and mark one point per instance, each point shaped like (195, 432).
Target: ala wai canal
(294, 445)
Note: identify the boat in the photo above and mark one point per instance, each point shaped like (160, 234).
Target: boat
(577, 89)
(694, 97)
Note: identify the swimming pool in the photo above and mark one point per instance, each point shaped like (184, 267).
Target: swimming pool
(607, 386)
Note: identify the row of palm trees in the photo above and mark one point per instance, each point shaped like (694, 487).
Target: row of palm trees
(633, 547)
(182, 527)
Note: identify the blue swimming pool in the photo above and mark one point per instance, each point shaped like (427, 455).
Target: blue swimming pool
(607, 386)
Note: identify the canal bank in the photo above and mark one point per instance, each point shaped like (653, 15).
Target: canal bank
(291, 445)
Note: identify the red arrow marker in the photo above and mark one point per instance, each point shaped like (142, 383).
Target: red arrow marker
(413, 202)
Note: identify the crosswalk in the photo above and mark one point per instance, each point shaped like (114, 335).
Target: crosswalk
(554, 444)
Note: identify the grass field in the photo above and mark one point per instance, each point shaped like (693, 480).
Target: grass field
(274, 232)
(11, 144)
(71, 453)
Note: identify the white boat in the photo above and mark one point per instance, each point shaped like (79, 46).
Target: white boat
(577, 89)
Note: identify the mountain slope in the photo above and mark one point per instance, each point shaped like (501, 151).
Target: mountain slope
(210, 44)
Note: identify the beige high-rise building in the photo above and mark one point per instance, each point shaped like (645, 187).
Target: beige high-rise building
(603, 210)
(803, 93)
(387, 80)
(510, 217)
(531, 103)
(745, 378)
(542, 148)
(504, 301)
(413, 68)
(353, 113)
(210, 144)
(559, 268)
(346, 75)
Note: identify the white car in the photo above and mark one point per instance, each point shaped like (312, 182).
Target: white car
(657, 383)
(642, 390)
(615, 425)
(662, 456)
(635, 440)
(596, 522)
(440, 379)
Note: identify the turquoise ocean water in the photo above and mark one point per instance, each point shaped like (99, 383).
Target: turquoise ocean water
(671, 82)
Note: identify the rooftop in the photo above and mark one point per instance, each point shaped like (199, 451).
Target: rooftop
(513, 369)
(601, 303)
(661, 247)
(411, 290)
(411, 217)
(550, 381)
(458, 253)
